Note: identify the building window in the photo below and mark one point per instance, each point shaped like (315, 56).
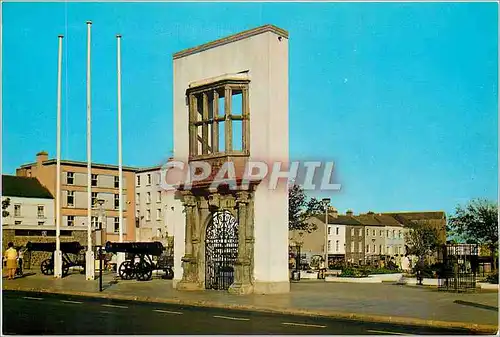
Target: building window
(337, 245)
(367, 248)
(158, 196)
(41, 223)
(148, 197)
(70, 178)
(138, 180)
(352, 231)
(367, 231)
(400, 234)
(374, 233)
(94, 222)
(71, 220)
(352, 246)
(337, 231)
(94, 179)
(381, 233)
(158, 214)
(393, 234)
(329, 245)
(70, 199)
(40, 211)
(117, 201)
(17, 222)
(380, 249)
(148, 215)
(361, 232)
(137, 198)
(374, 249)
(117, 225)
(219, 118)
(94, 198)
(17, 210)
(149, 179)
(388, 234)
(329, 230)
(360, 247)
(117, 182)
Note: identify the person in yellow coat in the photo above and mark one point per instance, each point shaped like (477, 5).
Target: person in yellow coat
(11, 257)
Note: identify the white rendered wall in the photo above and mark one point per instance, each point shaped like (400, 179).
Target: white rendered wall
(333, 237)
(265, 56)
(29, 211)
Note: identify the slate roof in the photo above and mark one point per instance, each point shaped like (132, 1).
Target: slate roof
(25, 187)
(432, 215)
(339, 220)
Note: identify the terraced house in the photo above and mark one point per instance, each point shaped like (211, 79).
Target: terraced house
(370, 237)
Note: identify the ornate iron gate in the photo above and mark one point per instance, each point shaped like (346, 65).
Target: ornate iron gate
(221, 250)
(457, 267)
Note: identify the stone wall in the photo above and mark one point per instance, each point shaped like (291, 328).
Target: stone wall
(34, 259)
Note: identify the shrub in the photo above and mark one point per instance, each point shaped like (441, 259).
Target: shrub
(492, 278)
(353, 272)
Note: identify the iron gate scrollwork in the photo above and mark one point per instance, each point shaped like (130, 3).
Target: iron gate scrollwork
(221, 250)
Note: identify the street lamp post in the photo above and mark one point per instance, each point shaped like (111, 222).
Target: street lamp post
(99, 234)
(326, 202)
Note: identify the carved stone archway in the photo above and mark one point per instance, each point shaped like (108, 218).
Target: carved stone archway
(200, 208)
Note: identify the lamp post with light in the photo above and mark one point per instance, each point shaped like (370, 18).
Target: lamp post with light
(326, 203)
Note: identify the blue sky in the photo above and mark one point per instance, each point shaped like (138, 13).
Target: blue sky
(403, 97)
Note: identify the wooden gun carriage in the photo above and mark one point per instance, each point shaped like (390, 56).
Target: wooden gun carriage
(47, 266)
(139, 262)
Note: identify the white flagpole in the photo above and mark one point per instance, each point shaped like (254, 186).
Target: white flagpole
(57, 253)
(120, 257)
(89, 257)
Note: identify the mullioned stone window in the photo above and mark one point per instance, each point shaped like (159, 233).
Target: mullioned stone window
(219, 118)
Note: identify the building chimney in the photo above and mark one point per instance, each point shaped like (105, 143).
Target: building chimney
(41, 157)
(372, 214)
(334, 212)
(348, 212)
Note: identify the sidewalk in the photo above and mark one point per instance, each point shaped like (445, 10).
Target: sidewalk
(383, 302)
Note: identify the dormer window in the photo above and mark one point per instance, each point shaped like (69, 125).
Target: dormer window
(219, 117)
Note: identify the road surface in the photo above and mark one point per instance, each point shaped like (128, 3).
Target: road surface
(32, 313)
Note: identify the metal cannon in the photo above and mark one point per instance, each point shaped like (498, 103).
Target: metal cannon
(139, 262)
(67, 248)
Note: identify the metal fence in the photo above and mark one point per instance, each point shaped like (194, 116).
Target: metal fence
(458, 266)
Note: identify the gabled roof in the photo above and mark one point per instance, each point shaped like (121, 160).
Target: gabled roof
(368, 220)
(339, 220)
(25, 187)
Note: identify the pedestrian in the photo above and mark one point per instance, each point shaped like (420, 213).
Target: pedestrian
(20, 261)
(11, 256)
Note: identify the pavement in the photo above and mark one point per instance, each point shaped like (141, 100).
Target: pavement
(30, 313)
(376, 303)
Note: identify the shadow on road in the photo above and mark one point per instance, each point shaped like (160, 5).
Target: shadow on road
(477, 305)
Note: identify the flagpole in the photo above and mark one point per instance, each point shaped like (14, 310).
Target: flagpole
(57, 253)
(89, 270)
(120, 257)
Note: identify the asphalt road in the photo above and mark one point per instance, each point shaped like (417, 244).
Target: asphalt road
(31, 313)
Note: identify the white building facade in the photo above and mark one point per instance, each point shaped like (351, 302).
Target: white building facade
(25, 212)
(156, 209)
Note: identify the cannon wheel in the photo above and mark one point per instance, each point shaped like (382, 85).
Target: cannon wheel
(169, 273)
(126, 270)
(65, 269)
(47, 267)
(144, 270)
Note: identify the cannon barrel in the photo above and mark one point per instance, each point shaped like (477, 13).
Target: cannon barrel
(73, 247)
(146, 248)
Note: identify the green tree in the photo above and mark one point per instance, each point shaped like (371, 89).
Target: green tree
(422, 241)
(300, 208)
(5, 205)
(476, 222)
